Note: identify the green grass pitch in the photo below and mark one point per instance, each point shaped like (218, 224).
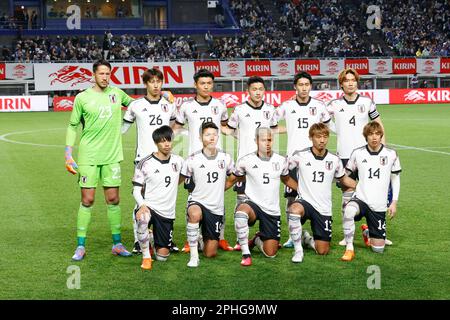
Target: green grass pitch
(39, 202)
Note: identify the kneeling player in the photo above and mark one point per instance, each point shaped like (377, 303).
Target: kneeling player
(155, 182)
(377, 166)
(316, 169)
(208, 169)
(263, 171)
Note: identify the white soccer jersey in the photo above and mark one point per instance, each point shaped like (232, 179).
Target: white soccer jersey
(246, 119)
(299, 118)
(315, 177)
(209, 175)
(149, 116)
(374, 173)
(160, 181)
(195, 114)
(262, 180)
(350, 118)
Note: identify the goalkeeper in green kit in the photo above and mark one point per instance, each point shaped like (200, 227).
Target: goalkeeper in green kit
(98, 109)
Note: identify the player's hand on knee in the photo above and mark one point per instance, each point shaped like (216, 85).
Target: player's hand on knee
(142, 213)
(168, 96)
(71, 165)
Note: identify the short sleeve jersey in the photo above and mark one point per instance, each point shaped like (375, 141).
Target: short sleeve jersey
(246, 119)
(262, 180)
(149, 116)
(101, 117)
(315, 177)
(159, 178)
(209, 175)
(374, 174)
(299, 118)
(350, 118)
(195, 114)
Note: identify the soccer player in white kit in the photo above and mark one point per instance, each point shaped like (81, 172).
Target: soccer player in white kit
(155, 188)
(244, 121)
(208, 168)
(262, 171)
(350, 114)
(377, 167)
(300, 114)
(150, 113)
(316, 169)
(203, 108)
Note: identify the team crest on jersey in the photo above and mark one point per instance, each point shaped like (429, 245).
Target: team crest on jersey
(361, 108)
(383, 160)
(329, 165)
(215, 110)
(174, 167)
(221, 164)
(266, 115)
(312, 111)
(165, 107)
(112, 98)
(276, 166)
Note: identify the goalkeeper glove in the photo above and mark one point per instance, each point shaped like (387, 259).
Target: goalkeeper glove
(168, 96)
(70, 163)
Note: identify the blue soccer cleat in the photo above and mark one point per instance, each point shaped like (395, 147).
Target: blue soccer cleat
(120, 250)
(80, 252)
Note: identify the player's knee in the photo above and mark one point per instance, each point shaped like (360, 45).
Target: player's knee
(377, 249)
(296, 208)
(113, 199)
(322, 251)
(270, 252)
(351, 210)
(87, 201)
(210, 254)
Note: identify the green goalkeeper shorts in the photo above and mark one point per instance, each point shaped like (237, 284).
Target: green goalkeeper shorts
(108, 174)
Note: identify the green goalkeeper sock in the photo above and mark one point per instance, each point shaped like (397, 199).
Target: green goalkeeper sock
(115, 219)
(83, 220)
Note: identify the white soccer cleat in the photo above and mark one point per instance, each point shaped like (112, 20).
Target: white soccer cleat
(343, 243)
(193, 263)
(298, 257)
(388, 242)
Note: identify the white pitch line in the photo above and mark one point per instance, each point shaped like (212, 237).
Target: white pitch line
(419, 149)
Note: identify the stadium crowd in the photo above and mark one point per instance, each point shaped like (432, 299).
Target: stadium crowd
(417, 28)
(113, 48)
(308, 28)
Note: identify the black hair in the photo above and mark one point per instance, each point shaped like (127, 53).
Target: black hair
(302, 74)
(150, 73)
(207, 125)
(101, 62)
(255, 79)
(164, 133)
(203, 73)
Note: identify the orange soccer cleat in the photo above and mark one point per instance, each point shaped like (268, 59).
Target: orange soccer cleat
(146, 264)
(186, 248)
(348, 256)
(246, 260)
(225, 246)
(365, 234)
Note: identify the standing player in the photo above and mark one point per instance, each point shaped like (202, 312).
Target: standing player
(245, 119)
(150, 113)
(300, 114)
(377, 167)
(316, 169)
(351, 113)
(203, 108)
(98, 109)
(157, 177)
(208, 168)
(262, 171)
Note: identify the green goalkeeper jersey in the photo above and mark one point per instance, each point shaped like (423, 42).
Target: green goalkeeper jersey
(101, 117)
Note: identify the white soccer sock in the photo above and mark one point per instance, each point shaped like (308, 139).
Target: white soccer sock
(222, 230)
(346, 197)
(349, 224)
(295, 231)
(142, 234)
(192, 236)
(242, 230)
(289, 201)
(135, 225)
